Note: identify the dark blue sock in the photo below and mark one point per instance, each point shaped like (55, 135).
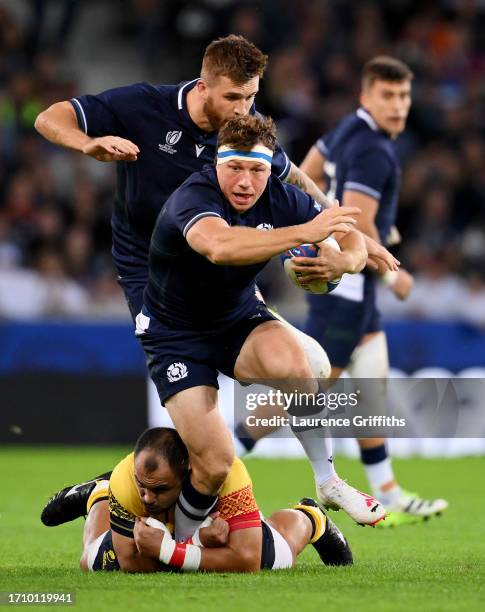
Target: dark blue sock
(243, 437)
(369, 456)
(191, 510)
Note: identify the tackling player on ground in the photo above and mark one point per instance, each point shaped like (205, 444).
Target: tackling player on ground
(131, 514)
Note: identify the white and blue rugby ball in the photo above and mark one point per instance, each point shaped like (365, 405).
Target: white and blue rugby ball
(309, 250)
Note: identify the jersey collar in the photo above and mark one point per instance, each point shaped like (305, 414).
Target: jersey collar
(367, 117)
(182, 92)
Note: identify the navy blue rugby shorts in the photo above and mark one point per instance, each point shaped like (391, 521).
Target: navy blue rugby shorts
(339, 324)
(180, 359)
(133, 283)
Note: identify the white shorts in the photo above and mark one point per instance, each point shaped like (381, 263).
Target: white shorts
(276, 552)
(101, 554)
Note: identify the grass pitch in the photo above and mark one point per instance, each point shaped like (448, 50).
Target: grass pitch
(437, 565)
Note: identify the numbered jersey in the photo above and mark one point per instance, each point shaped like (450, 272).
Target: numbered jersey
(361, 157)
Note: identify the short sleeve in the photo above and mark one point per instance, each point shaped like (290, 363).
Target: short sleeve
(190, 204)
(104, 114)
(321, 146)
(368, 173)
(120, 519)
(123, 498)
(237, 504)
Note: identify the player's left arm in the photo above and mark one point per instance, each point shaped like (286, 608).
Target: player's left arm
(299, 178)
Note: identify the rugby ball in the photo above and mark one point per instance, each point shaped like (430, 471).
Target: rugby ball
(308, 250)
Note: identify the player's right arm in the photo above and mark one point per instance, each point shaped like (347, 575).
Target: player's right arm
(130, 559)
(222, 244)
(59, 125)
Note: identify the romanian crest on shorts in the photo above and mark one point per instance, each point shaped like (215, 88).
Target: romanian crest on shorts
(177, 371)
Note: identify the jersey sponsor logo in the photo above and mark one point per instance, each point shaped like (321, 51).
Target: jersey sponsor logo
(199, 149)
(171, 138)
(177, 371)
(264, 227)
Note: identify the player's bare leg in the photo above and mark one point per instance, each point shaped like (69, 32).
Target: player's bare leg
(370, 360)
(295, 527)
(271, 352)
(320, 366)
(197, 419)
(97, 523)
(308, 524)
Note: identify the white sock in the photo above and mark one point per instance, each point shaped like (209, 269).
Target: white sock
(191, 510)
(378, 475)
(318, 449)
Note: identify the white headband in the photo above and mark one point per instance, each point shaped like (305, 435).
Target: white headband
(258, 153)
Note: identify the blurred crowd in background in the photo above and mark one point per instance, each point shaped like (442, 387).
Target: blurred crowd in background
(55, 205)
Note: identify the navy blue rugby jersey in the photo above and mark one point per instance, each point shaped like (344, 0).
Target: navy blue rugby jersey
(171, 147)
(186, 290)
(361, 157)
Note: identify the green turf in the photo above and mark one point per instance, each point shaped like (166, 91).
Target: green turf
(434, 566)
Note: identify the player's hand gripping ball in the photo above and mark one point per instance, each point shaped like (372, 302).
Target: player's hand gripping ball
(309, 250)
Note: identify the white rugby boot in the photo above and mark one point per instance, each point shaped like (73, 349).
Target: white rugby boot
(364, 509)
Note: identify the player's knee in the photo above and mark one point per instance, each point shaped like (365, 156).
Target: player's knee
(287, 364)
(297, 368)
(370, 359)
(212, 469)
(316, 356)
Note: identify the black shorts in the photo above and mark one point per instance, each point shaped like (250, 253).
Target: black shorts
(133, 283)
(180, 359)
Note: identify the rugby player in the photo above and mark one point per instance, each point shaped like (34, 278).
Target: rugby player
(117, 534)
(159, 135)
(200, 314)
(358, 164)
